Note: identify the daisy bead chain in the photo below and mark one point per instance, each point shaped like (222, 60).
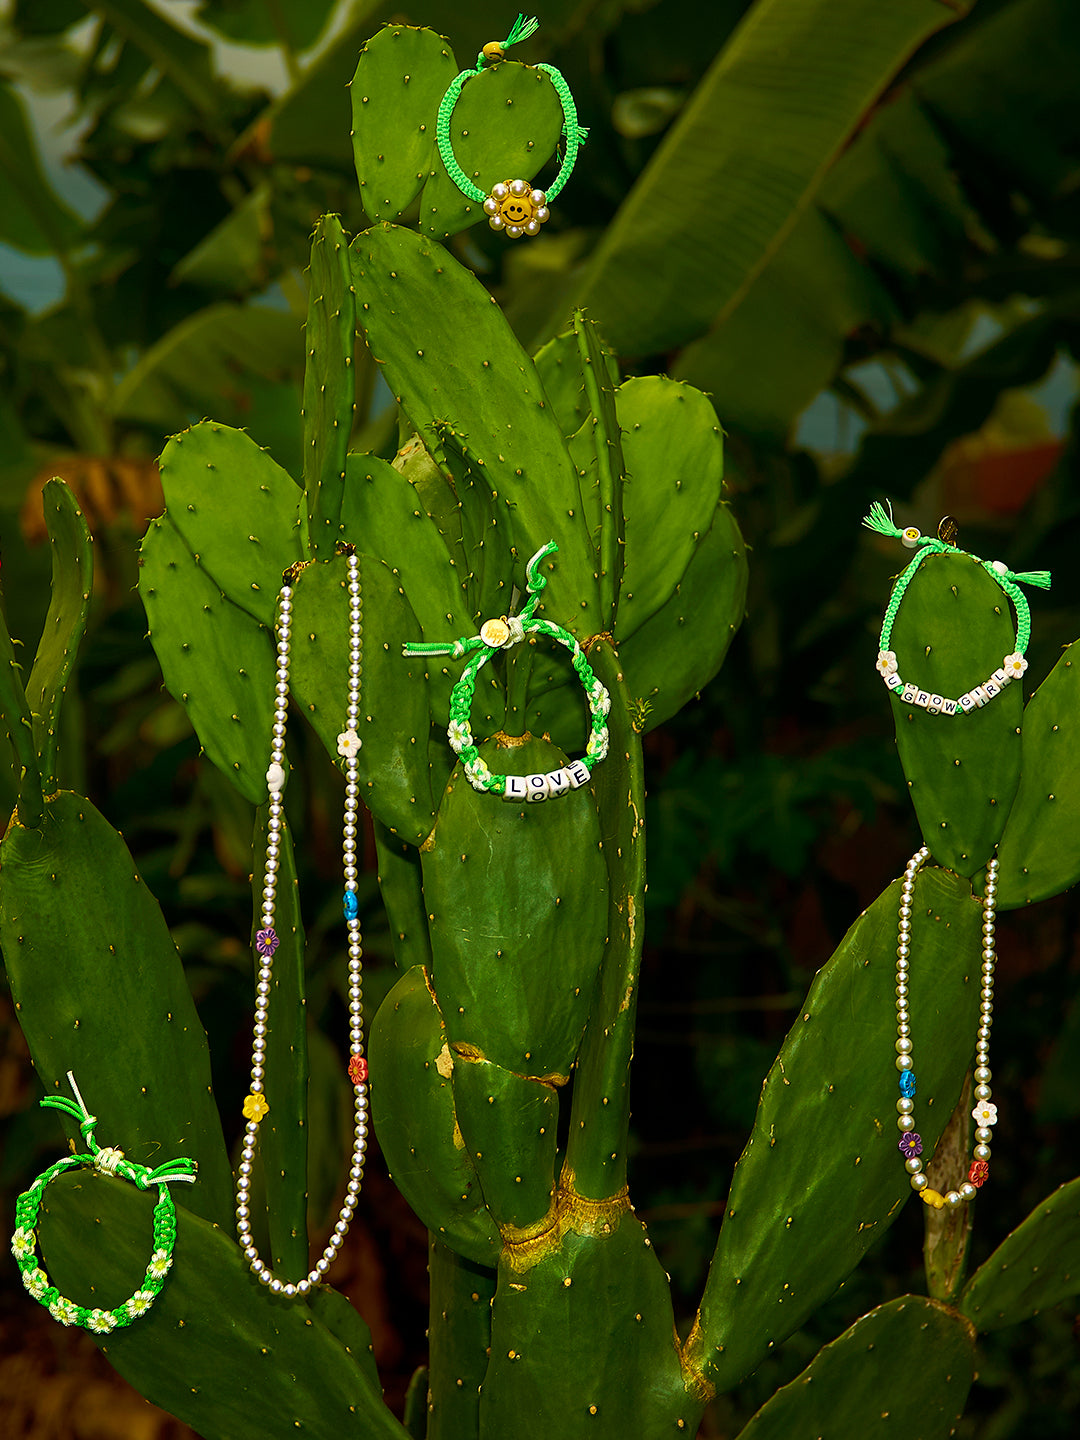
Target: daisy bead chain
(502, 634)
(1012, 666)
(984, 1113)
(256, 1106)
(513, 206)
(106, 1160)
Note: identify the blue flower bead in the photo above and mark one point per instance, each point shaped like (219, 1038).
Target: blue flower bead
(907, 1084)
(350, 905)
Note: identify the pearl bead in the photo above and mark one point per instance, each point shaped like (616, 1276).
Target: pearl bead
(518, 187)
(905, 1123)
(276, 1286)
(982, 1092)
(904, 1062)
(984, 1134)
(902, 990)
(903, 1028)
(490, 206)
(303, 1287)
(967, 1191)
(913, 1165)
(905, 1106)
(903, 1046)
(983, 1075)
(981, 1152)
(919, 1182)
(952, 1199)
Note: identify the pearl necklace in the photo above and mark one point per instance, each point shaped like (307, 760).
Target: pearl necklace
(984, 1114)
(266, 940)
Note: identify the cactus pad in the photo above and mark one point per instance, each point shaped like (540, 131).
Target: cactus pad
(400, 78)
(412, 1105)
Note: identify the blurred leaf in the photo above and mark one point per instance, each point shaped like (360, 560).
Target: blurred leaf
(205, 358)
(233, 256)
(309, 124)
(46, 17)
(734, 173)
(791, 326)
(637, 113)
(32, 216)
(185, 60)
(292, 24)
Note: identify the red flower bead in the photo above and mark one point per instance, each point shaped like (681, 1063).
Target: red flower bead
(979, 1173)
(358, 1069)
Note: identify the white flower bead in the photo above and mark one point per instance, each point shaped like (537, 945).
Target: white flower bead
(459, 735)
(275, 779)
(348, 744)
(1014, 666)
(984, 1113)
(886, 662)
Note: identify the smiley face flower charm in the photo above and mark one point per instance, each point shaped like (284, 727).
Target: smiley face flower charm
(516, 208)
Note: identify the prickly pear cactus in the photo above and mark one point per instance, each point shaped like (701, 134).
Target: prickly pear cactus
(517, 927)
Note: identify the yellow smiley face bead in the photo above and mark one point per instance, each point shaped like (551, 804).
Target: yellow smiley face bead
(515, 208)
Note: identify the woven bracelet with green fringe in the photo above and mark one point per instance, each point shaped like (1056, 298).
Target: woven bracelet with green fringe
(1012, 666)
(502, 634)
(513, 206)
(107, 1161)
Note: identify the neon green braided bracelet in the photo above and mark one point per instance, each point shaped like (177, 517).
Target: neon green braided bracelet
(1012, 666)
(513, 206)
(109, 1162)
(503, 634)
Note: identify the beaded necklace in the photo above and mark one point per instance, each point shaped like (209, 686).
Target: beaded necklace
(984, 1113)
(256, 1106)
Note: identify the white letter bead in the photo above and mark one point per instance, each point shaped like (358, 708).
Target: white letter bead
(515, 788)
(948, 707)
(936, 702)
(967, 702)
(536, 788)
(908, 694)
(980, 696)
(578, 772)
(1001, 679)
(991, 689)
(893, 682)
(922, 699)
(558, 781)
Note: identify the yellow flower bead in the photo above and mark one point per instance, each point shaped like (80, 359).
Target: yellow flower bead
(255, 1106)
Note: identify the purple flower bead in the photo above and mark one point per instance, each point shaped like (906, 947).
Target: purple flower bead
(911, 1145)
(266, 942)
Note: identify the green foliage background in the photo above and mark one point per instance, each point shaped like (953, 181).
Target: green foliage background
(862, 240)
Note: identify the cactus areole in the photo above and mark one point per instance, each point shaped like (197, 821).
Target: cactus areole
(1012, 666)
(513, 206)
(256, 1106)
(107, 1160)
